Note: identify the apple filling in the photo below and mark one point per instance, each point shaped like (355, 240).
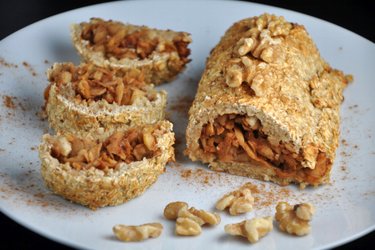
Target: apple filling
(117, 40)
(93, 83)
(120, 147)
(238, 138)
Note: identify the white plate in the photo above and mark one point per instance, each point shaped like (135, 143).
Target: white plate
(345, 209)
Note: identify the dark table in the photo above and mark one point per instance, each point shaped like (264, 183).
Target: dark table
(357, 16)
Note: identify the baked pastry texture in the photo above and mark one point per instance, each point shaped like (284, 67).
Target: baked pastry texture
(88, 99)
(106, 171)
(267, 105)
(159, 54)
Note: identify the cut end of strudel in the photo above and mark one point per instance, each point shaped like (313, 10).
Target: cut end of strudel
(267, 105)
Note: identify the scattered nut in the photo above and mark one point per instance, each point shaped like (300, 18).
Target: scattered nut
(185, 213)
(179, 209)
(241, 205)
(189, 220)
(225, 202)
(252, 229)
(172, 209)
(207, 217)
(187, 227)
(294, 219)
(239, 201)
(137, 233)
(305, 211)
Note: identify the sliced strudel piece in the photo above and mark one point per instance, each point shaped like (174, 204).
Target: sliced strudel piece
(159, 54)
(106, 171)
(88, 99)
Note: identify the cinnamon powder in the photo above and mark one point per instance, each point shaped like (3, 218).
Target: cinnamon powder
(8, 102)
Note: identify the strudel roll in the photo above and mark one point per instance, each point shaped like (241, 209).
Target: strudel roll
(159, 54)
(267, 105)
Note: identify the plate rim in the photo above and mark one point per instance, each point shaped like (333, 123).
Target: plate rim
(72, 244)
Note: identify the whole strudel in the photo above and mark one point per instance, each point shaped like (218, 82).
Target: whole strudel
(267, 105)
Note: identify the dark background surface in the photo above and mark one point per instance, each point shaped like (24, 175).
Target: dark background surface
(357, 16)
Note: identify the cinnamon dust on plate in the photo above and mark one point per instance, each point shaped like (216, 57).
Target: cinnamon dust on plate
(7, 64)
(8, 102)
(265, 194)
(29, 68)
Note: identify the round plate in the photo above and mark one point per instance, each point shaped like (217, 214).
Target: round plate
(345, 208)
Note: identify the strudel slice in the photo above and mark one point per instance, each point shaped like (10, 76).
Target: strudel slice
(159, 54)
(98, 172)
(88, 99)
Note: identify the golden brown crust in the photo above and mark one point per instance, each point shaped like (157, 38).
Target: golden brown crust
(160, 66)
(66, 114)
(283, 82)
(95, 188)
